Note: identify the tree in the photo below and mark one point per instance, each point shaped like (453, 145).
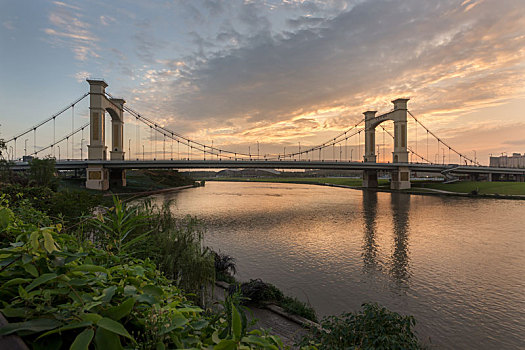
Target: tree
(42, 172)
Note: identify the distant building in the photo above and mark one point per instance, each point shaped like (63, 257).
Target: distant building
(517, 160)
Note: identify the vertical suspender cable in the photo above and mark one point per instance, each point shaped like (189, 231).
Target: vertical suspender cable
(54, 136)
(72, 130)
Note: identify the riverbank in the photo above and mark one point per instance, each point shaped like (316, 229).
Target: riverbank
(474, 189)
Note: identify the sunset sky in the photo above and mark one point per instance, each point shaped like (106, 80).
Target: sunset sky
(277, 72)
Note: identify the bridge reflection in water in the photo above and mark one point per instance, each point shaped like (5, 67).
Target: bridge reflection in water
(398, 266)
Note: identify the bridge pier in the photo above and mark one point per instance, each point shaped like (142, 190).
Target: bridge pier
(97, 178)
(370, 178)
(400, 178)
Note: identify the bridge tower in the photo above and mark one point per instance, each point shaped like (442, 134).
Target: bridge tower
(98, 177)
(400, 176)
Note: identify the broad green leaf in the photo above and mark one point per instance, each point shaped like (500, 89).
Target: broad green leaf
(46, 277)
(107, 294)
(31, 269)
(83, 340)
(6, 217)
(26, 258)
(68, 327)
(153, 290)
(49, 242)
(36, 325)
(94, 318)
(33, 239)
(236, 323)
(226, 344)
(16, 281)
(106, 340)
(89, 268)
(15, 312)
(255, 340)
(215, 337)
(175, 322)
(147, 298)
(22, 292)
(122, 310)
(114, 326)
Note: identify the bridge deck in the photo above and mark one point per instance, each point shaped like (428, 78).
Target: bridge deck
(272, 164)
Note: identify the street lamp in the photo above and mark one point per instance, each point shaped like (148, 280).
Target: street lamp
(25, 147)
(129, 149)
(142, 152)
(475, 156)
(58, 152)
(81, 145)
(351, 151)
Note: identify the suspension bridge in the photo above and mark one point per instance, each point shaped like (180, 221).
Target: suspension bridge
(102, 170)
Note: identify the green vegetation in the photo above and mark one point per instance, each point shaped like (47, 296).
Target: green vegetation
(346, 181)
(150, 180)
(258, 292)
(481, 187)
(374, 327)
(61, 290)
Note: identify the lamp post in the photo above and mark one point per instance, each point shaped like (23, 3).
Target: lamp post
(475, 158)
(81, 145)
(351, 151)
(142, 152)
(58, 152)
(129, 149)
(25, 147)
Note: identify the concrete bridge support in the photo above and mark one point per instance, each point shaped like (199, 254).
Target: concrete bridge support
(97, 177)
(370, 176)
(401, 176)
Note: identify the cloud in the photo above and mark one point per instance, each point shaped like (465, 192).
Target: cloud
(82, 76)
(8, 25)
(450, 62)
(107, 20)
(70, 30)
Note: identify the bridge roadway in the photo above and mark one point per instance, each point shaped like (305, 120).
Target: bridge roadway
(452, 169)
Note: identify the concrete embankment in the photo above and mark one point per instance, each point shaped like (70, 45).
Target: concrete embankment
(290, 328)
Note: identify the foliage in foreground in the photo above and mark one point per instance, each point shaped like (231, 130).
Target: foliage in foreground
(374, 327)
(61, 292)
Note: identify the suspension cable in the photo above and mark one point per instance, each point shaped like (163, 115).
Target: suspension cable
(48, 119)
(440, 140)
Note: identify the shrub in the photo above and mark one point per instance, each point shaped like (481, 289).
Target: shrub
(259, 292)
(59, 292)
(224, 267)
(374, 327)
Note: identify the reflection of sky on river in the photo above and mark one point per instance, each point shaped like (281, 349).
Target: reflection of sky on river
(454, 263)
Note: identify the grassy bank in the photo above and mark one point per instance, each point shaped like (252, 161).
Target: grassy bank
(481, 187)
(346, 181)
(501, 188)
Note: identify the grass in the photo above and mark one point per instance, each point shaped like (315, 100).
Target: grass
(304, 180)
(502, 188)
(482, 187)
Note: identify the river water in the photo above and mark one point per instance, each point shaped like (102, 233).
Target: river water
(456, 264)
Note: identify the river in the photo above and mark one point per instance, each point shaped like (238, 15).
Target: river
(456, 264)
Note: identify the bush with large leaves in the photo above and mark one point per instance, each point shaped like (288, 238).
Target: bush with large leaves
(59, 292)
